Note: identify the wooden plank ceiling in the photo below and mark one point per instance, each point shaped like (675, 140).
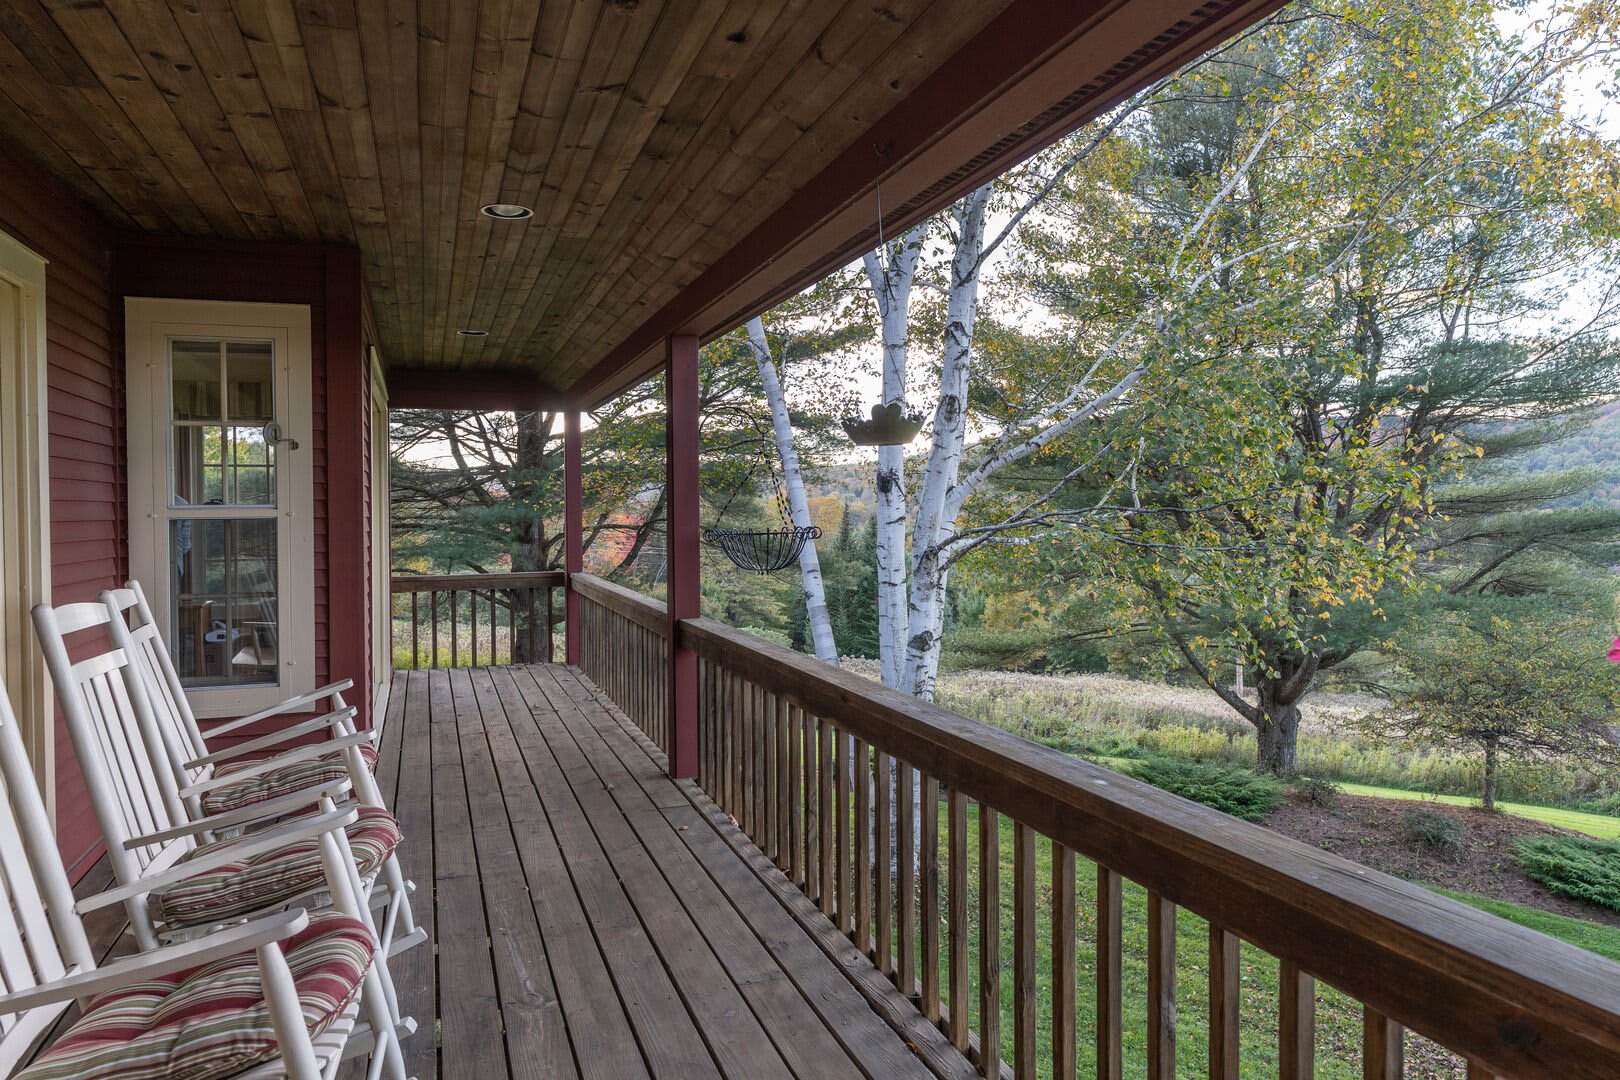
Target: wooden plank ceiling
(688, 161)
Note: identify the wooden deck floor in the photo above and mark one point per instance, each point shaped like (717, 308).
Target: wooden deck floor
(591, 918)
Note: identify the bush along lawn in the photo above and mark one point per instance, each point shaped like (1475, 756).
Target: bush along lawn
(1574, 866)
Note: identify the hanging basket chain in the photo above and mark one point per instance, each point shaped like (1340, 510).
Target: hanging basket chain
(764, 551)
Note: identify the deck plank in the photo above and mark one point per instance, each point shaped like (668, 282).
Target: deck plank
(469, 1008)
(536, 1039)
(406, 769)
(819, 1020)
(591, 918)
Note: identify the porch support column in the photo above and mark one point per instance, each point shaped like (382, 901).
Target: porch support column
(681, 465)
(573, 525)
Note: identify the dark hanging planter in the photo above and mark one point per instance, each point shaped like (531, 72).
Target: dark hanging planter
(764, 551)
(891, 425)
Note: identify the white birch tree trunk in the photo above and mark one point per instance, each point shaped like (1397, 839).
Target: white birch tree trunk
(891, 283)
(815, 592)
(937, 506)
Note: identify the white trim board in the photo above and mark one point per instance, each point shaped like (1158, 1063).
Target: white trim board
(25, 527)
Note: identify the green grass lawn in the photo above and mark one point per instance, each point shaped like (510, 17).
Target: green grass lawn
(1601, 826)
(1593, 937)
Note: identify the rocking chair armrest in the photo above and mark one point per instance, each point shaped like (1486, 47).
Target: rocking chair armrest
(290, 705)
(333, 720)
(231, 941)
(267, 810)
(291, 757)
(260, 843)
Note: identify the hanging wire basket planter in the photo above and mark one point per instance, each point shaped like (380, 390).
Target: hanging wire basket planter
(763, 551)
(890, 425)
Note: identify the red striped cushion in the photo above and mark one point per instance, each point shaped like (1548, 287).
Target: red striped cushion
(211, 1021)
(277, 782)
(277, 877)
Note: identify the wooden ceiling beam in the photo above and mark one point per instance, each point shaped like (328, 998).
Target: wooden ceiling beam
(480, 391)
(1040, 70)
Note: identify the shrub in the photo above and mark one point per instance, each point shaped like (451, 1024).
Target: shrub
(1439, 833)
(1318, 793)
(1574, 866)
(1227, 788)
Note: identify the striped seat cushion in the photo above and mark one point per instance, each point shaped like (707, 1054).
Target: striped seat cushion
(276, 877)
(277, 782)
(210, 1021)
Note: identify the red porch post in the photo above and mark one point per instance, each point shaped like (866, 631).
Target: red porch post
(681, 465)
(573, 524)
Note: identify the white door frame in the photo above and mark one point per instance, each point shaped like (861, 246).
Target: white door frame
(149, 324)
(25, 526)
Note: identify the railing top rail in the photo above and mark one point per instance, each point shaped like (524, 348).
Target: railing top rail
(416, 583)
(641, 610)
(1516, 1001)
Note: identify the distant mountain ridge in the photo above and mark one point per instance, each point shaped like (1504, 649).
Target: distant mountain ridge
(1596, 446)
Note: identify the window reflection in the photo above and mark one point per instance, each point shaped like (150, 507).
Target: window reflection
(224, 589)
(221, 457)
(224, 569)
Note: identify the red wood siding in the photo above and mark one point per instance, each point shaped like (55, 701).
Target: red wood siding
(90, 271)
(85, 422)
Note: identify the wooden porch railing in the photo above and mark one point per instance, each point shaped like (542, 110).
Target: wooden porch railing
(467, 619)
(624, 648)
(903, 821)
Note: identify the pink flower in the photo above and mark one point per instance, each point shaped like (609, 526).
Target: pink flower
(1614, 650)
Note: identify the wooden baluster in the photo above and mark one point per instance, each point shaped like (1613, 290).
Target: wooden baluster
(826, 817)
(989, 941)
(1110, 1048)
(1161, 988)
(455, 628)
(770, 794)
(1296, 1023)
(957, 917)
(728, 746)
(1064, 948)
(883, 862)
(416, 631)
(762, 771)
(863, 845)
(1225, 988)
(843, 905)
(745, 756)
(433, 612)
(929, 914)
(1382, 1055)
(785, 790)
(794, 729)
(528, 624)
(551, 615)
(472, 622)
(1024, 978)
(905, 844)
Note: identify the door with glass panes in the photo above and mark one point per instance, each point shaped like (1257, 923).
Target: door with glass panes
(221, 503)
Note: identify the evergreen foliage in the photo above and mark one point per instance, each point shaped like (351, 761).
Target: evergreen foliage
(1574, 866)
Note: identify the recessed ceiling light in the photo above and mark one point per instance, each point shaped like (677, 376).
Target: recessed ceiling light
(473, 333)
(505, 211)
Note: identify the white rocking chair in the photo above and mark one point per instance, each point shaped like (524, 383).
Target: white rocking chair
(232, 779)
(277, 996)
(176, 882)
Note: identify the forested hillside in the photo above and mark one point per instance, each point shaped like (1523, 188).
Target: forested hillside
(1593, 447)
